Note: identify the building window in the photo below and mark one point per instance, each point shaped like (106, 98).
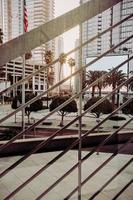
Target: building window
(36, 87)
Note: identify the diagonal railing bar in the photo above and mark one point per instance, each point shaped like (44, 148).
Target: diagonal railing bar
(68, 172)
(64, 80)
(89, 177)
(58, 108)
(45, 142)
(62, 105)
(75, 96)
(99, 168)
(51, 162)
(32, 126)
(112, 178)
(33, 151)
(67, 54)
(40, 145)
(105, 97)
(123, 189)
(71, 99)
(48, 31)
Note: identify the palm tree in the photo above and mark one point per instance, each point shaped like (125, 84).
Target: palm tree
(71, 63)
(101, 84)
(92, 76)
(62, 61)
(49, 57)
(114, 79)
(1, 36)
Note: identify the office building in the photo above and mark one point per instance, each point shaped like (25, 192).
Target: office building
(103, 21)
(39, 12)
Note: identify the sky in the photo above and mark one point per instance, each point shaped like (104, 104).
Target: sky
(61, 7)
(108, 62)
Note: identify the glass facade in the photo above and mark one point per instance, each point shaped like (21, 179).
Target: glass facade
(104, 21)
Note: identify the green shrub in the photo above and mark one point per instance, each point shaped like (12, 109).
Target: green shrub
(71, 107)
(128, 109)
(103, 108)
(35, 106)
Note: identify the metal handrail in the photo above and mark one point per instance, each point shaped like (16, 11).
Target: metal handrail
(58, 108)
(51, 29)
(68, 53)
(100, 167)
(43, 143)
(67, 173)
(112, 178)
(74, 167)
(123, 189)
(64, 80)
(87, 133)
(58, 131)
(67, 149)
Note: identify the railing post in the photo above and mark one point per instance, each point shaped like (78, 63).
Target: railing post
(14, 89)
(23, 76)
(128, 75)
(80, 113)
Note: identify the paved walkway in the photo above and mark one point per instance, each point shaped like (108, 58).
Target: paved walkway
(23, 171)
(50, 175)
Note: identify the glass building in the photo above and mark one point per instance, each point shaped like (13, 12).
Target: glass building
(104, 21)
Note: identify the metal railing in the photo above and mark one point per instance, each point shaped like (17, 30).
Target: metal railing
(80, 139)
(62, 105)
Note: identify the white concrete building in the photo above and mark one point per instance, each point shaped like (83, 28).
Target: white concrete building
(11, 22)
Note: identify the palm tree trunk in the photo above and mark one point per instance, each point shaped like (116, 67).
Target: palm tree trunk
(113, 98)
(71, 82)
(118, 97)
(100, 92)
(93, 91)
(47, 85)
(60, 78)
(62, 118)
(28, 115)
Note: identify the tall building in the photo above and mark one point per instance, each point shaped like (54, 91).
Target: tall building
(123, 31)
(104, 21)
(0, 14)
(39, 12)
(58, 51)
(11, 22)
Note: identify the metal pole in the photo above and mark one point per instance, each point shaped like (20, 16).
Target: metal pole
(80, 113)
(14, 89)
(23, 95)
(33, 79)
(128, 76)
(23, 76)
